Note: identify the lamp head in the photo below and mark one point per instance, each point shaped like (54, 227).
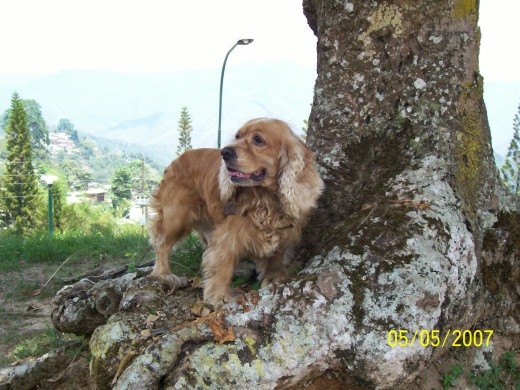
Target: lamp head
(49, 179)
(244, 41)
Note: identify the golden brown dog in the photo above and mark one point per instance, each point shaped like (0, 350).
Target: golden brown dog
(248, 200)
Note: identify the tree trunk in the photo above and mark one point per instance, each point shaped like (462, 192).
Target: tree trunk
(414, 235)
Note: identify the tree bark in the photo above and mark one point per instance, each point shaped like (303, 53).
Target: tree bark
(413, 233)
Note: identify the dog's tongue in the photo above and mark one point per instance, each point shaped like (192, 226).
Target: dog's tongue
(240, 175)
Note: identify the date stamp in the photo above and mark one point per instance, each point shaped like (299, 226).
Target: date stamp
(434, 338)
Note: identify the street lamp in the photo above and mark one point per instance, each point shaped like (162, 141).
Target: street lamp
(49, 179)
(239, 42)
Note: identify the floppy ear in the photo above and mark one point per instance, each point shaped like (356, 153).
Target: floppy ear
(299, 183)
(227, 189)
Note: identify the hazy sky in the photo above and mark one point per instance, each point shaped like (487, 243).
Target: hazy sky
(41, 36)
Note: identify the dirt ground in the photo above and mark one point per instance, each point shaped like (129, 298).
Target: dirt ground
(25, 298)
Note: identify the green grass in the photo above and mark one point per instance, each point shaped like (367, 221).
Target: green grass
(35, 347)
(187, 257)
(17, 252)
(449, 380)
(68, 254)
(505, 374)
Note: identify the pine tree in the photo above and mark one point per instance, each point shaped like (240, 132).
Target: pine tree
(511, 168)
(39, 134)
(185, 130)
(121, 189)
(20, 181)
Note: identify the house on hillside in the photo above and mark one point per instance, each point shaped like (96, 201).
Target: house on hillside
(61, 142)
(96, 194)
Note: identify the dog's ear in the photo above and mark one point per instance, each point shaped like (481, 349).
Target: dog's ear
(299, 183)
(227, 189)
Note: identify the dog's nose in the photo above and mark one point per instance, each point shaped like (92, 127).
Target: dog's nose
(228, 153)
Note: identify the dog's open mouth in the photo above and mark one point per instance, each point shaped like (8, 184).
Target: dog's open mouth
(240, 177)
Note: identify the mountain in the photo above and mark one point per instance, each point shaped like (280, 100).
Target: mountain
(141, 110)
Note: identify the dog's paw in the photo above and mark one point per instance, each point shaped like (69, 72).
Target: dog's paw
(220, 298)
(172, 281)
(273, 279)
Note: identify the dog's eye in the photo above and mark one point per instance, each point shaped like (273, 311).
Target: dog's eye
(237, 136)
(257, 140)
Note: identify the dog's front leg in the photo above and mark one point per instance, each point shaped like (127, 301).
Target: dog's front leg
(218, 264)
(217, 269)
(162, 271)
(272, 270)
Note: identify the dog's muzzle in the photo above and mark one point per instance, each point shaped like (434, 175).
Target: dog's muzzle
(229, 155)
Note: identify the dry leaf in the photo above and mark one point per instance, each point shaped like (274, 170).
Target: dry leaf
(151, 318)
(146, 333)
(124, 362)
(30, 293)
(219, 333)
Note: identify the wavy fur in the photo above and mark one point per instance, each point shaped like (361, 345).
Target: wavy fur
(253, 203)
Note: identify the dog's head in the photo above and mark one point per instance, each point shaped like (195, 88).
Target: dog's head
(268, 154)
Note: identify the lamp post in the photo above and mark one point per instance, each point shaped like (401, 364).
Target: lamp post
(49, 179)
(239, 42)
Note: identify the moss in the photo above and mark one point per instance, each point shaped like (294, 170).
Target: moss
(250, 344)
(387, 15)
(108, 344)
(465, 8)
(470, 146)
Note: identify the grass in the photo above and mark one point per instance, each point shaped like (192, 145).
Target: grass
(449, 380)
(17, 252)
(35, 347)
(505, 374)
(187, 257)
(26, 262)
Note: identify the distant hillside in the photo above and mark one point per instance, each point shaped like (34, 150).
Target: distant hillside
(140, 111)
(143, 109)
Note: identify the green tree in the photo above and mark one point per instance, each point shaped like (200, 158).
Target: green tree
(511, 168)
(77, 174)
(121, 188)
(20, 186)
(66, 126)
(185, 129)
(59, 191)
(39, 133)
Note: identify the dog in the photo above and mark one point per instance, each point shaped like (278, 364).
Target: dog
(249, 200)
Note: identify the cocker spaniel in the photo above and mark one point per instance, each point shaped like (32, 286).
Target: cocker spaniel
(248, 200)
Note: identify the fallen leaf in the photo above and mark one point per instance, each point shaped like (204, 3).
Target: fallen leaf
(124, 362)
(146, 333)
(151, 318)
(220, 333)
(30, 293)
